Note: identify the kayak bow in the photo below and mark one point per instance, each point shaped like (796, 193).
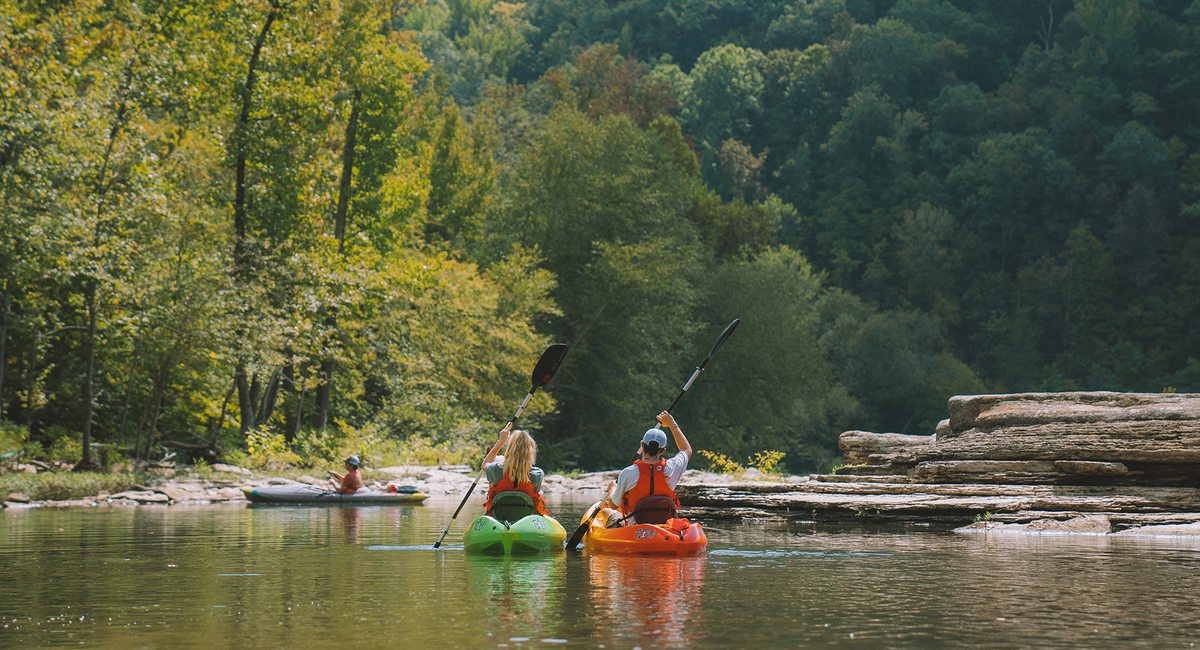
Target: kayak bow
(677, 536)
(530, 534)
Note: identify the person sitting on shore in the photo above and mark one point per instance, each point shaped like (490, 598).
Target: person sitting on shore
(514, 470)
(351, 481)
(647, 487)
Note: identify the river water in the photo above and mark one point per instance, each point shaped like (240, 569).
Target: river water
(294, 577)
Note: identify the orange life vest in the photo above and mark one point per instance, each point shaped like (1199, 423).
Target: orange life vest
(652, 479)
(351, 483)
(506, 484)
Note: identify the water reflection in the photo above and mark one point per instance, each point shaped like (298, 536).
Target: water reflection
(349, 519)
(521, 591)
(308, 578)
(656, 599)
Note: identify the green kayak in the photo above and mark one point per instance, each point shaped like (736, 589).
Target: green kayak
(513, 528)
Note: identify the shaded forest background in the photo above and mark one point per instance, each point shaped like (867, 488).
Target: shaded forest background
(292, 228)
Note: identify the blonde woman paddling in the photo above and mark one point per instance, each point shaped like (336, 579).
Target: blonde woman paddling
(514, 471)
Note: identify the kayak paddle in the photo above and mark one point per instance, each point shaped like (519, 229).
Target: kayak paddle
(583, 528)
(543, 372)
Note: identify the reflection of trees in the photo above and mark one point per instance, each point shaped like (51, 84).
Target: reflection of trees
(650, 597)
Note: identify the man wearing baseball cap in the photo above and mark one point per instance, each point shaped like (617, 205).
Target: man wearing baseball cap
(351, 482)
(651, 475)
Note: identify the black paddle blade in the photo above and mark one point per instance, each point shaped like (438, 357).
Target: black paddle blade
(721, 339)
(551, 359)
(577, 536)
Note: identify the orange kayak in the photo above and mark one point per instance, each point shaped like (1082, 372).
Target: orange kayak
(676, 537)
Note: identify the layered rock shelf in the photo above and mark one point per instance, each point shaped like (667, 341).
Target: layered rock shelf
(1096, 462)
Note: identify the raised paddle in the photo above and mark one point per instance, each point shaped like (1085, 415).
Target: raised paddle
(583, 528)
(543, 372)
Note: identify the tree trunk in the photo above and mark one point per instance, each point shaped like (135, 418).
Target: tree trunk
(245, 400)
(32, 369)
(325, 374)
(216, 426)
(101, 191)
(345, 192)
(5, 308)
(291, 424)
(268, 401)
(346, 185)
(160, 390)
(1046, 30)
(88, 463)
(240, 137)
(241, 262)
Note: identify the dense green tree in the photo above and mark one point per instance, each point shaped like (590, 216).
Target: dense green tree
(226, 221)
(606, 202)
(773, 386)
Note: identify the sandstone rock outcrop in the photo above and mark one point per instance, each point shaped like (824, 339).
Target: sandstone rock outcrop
(1132, 459)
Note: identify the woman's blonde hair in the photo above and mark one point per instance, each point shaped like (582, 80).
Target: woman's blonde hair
(519, 456)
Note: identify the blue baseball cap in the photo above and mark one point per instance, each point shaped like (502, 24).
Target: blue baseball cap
(655, 440)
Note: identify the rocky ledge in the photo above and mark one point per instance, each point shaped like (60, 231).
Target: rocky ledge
(1046, 463)
(225, 483)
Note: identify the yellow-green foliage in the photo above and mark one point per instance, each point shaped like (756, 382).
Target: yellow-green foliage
(315, 448)
(766, 462)
(268, 450)
(64, 445)
(12, 437)
(420, 450)
(721, 463)
(65, 449)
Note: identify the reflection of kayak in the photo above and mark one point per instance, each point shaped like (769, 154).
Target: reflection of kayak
(675, 537)
(310, 494)
(530, 534)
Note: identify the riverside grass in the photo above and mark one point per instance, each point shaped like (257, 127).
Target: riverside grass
(63, 486)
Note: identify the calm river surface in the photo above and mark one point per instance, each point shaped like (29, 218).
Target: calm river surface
(294, 577)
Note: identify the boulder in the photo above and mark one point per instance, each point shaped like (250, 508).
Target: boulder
(226, 494)
(18, 497)
(1163, 441)
(232, 469)
(71, 503)
(858, 446)
(909, 501)
(441, 476)
(458, 469)
(1018, 409)
(987, 471)
(1166, 530)
(402, 471)
(1094, 524)
(1092, 468)
(141, 496)
(175, 494)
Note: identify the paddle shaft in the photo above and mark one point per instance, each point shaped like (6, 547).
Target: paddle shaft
(482, 469)
(579, 532)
